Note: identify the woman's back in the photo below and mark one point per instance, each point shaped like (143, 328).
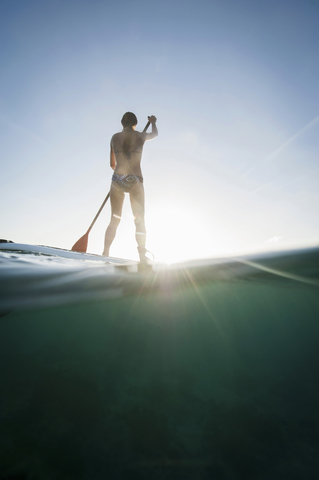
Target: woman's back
(128, 147)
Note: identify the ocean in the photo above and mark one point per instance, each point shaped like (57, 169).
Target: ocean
(202, 370)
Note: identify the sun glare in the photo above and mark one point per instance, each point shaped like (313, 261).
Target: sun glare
(180, 231)
(173, 234)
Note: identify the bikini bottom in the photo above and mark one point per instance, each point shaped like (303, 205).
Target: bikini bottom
(126, 182)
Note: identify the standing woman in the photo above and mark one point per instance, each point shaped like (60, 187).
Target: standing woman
(126, 156)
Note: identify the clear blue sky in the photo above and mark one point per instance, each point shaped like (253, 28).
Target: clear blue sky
(234, 85)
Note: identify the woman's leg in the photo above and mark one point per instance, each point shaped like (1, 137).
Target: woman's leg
(137, 203)
(117, 199)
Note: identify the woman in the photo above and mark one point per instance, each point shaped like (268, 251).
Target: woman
(126, 156)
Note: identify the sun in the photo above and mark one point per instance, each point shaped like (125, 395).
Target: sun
(179, 230)
(173, 233)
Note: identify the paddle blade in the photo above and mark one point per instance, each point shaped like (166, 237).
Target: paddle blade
(82, 244)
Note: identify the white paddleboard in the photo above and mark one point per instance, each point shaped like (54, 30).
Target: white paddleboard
(60, 252)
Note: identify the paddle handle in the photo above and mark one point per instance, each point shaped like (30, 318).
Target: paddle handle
(108, 195)
(146, 126)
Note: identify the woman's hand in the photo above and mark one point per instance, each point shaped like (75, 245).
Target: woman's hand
(148, 136)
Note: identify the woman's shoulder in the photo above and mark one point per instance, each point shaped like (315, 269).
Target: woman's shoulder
(116, 137)
(139, 136)
(118, 134)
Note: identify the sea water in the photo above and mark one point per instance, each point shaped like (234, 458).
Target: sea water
(205, 370)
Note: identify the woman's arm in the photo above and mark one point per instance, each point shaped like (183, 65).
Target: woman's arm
(154, 133)
(112, 158)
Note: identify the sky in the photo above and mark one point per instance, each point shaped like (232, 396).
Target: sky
(234, 86)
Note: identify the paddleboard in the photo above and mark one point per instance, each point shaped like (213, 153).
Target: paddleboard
(60, 252)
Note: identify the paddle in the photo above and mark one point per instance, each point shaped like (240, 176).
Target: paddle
(82, 244)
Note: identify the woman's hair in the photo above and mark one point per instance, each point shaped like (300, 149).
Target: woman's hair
(129, 120)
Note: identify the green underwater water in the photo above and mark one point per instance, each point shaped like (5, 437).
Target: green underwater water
(210, 381)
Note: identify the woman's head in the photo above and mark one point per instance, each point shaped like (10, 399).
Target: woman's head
(129, 120)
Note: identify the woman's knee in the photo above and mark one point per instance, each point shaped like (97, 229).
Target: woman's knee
(115, 221)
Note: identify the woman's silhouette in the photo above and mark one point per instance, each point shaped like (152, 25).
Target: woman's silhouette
(125, 160)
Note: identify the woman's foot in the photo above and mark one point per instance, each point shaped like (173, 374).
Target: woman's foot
(142, 253)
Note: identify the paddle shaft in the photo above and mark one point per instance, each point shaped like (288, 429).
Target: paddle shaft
(108, 195)
(98, 213)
